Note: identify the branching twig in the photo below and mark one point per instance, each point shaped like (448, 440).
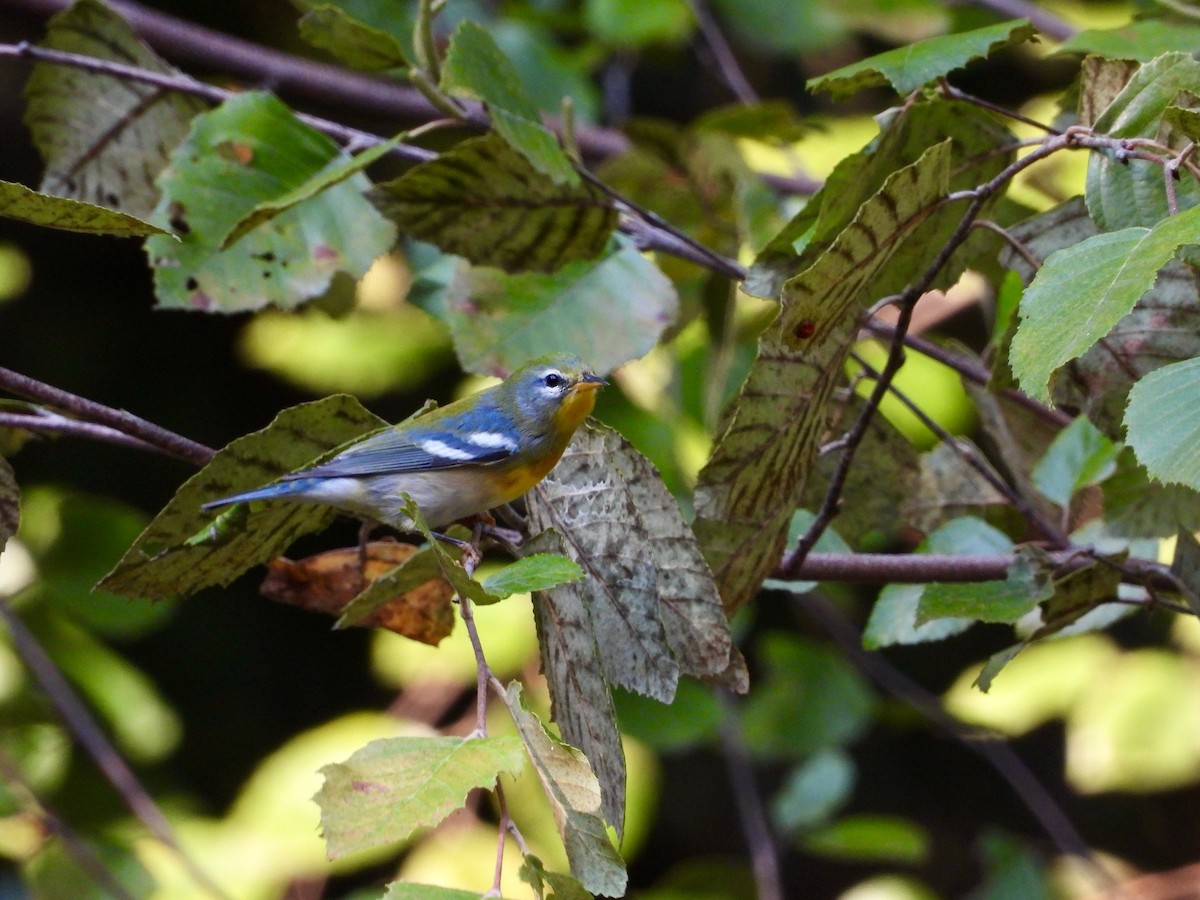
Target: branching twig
(117, 419)
(1041, 18)
(1048, 530)
(92, 738)
(52, 823)
(1053, 820)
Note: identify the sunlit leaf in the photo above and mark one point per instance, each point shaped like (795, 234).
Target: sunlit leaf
(166, 562)
(1082, 291)
(1163, 327)
(249, 151)
(483, 200)
(104, 138)
(532, 573)
(386, 585)
(475, 67)
(575, 801)
(757, 473)
(1124, 193)
(908, 68)
(10, 502)
(1186, 567)
(409, 890)
(27, 205)
(1079, 457)
(537, 876)
(608, 311)
(393, 786)
(1163, 425)
(1141, 40)
(631, 23)
(353, 42)
(328, 177)
(864, 837)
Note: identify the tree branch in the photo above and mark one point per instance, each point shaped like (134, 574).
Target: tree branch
(91, 737)
(1042, 19)
(117, 419)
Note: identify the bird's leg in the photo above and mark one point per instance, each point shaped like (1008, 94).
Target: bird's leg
(364, 539)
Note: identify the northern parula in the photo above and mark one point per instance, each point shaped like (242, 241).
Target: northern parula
(474, 454)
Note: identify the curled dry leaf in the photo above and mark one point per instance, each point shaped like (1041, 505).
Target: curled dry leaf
(327, 582)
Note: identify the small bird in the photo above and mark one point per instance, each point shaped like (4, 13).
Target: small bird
(465, 458)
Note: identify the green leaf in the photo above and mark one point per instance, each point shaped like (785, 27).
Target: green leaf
(1185, 119)
(104, 139)
(484, 201)
(876, 838)
(391, 787)
(814, 790)
(1007, 601)
(355, 43)
(537, 876)
(1163, 424)
(995, 663)
(1124, 193)
(27, 205)
(419, 568)
(248, 151)
(1135, 505)
(1079, 457)
(1082, 291)
(575, 802)
(475, 67)
(908, 68)
(608, 311)
(1141, 40)
(334, 174)
(632, 23)
(1164, 326)
(756, 475)
(532, 573)
(447, 559)
(692, 719)
(165, 562)
(10, 502)
(900, 616)
(948, 487)
(980, 149)
(810, 699)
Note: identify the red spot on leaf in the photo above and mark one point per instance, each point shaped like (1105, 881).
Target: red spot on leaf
(201, 301)
(806, 329)
(323, 252)
(368, 787)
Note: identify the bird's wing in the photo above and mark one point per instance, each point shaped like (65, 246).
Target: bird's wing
(412, 450)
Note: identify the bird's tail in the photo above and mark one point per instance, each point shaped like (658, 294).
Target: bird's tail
(271, 491)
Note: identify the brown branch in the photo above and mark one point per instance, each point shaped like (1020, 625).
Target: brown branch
(46, 422)
(1042, 19)
(927, 568)
(117, 419)
(92, 739)
(722, 54)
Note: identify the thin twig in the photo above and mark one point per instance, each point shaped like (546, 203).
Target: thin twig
(1041, 18)
(955, 568)
(1019, 247)
(953, 93)
(78, 849)
(92, 738)
(1048, 813)
(167, 441)
(47, 422)
(970, 370)
(764, 857)
(1048, 529)
(978, 197)
(722, 54)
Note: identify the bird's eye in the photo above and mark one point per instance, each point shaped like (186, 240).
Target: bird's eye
(554, 380)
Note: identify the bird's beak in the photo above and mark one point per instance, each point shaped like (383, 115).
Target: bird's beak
(588, 382)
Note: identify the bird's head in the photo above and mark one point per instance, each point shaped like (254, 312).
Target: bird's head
(556, 392)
